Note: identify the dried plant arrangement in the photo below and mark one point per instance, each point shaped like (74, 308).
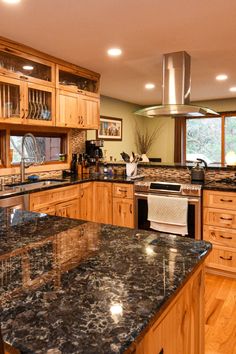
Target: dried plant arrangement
(144, 139)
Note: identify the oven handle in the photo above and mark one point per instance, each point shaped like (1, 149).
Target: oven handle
(193, 200)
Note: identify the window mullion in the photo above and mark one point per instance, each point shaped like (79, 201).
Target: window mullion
(223, 139)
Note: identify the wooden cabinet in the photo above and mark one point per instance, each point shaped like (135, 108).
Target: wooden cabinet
(180, 329)
(123, 205)
(68, 209)
(220, 228)
(86, 201)
(35, 88)
(76, 110)
(91, 111)
(60, 201)
(11, 100)
(102, 202)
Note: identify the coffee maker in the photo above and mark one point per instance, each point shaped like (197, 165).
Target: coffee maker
(93, 150)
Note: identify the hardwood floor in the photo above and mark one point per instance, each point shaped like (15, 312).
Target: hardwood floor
(220, 315)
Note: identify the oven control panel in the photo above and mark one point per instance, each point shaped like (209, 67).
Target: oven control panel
(191, 189)
(168, 187)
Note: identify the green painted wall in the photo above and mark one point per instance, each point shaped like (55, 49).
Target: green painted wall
(111, 107)
(163, 146)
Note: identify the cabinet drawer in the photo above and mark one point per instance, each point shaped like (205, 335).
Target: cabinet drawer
(219, 217)
(222, 259)
(224, 200)
(220, 236)
(53, 196)
(122, 190)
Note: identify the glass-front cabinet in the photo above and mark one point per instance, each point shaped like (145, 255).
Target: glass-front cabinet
(36, 89)
(27, 95)
(11, 100)
(24, 66)
(40, 105)
(69, 79)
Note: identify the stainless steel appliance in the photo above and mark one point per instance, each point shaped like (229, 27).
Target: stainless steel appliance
(93, 150)
(176, 87)
(191, 191)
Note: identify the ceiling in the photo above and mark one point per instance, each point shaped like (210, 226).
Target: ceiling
(80, 31)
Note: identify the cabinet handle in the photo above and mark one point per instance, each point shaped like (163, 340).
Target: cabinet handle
(122, 190)
(23, 116)
(227, 259)
(130, 208)
(226, 200)
(227, 238)
(82, 194)
(24, 77)
(119, 209)
(222, 218)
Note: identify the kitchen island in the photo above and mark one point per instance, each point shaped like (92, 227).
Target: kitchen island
(69, 286)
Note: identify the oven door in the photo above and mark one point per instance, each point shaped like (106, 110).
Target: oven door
(194, 215)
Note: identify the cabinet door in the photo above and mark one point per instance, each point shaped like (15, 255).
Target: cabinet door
(91, 112)
(102, 211)
(68, 209)
(12, 108)
(67, 109)
(40, 105)
(86, 201)
(123, 212)
(50, 210)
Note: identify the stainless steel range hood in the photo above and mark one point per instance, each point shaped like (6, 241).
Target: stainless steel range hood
(176, 90)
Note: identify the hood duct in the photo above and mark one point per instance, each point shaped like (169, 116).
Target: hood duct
(176, 88)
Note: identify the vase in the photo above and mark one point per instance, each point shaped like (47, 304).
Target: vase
(131, 169)
(144, 158)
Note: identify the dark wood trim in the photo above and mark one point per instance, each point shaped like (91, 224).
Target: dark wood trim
(223, 139)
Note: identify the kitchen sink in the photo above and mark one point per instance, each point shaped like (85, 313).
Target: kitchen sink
(27, 186)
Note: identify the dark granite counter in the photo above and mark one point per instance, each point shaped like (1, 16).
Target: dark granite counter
(69, 286)
(219, 186)
(68, 181)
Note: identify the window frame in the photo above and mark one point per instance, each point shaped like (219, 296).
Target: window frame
(222, 116)
(6, 168)
(43, 134)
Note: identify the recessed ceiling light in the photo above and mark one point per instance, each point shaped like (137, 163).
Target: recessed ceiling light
(28, 67)
(232, 89)
(11, 1)
(221, 77)
(114, 52)
(149, 86)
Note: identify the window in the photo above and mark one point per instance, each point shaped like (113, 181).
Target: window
(210, 138)
(49, 146)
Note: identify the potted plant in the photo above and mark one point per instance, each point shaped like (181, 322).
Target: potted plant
(144, 140)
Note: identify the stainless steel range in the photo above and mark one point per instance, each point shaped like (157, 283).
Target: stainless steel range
(192, 192)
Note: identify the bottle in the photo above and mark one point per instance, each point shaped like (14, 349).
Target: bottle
(74, 165)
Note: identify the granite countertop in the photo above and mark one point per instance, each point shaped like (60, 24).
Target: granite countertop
(69, 286)
(17, 190)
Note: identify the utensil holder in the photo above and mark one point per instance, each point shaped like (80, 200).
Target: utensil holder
(131, 169)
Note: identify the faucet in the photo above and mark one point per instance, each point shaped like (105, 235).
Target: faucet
(36, 158)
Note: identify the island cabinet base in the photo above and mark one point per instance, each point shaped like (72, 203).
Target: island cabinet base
(180, 328)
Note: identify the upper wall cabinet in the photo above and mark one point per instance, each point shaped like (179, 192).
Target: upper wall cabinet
(78, 100)
(37, 89)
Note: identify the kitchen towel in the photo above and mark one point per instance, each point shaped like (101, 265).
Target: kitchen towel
(168, 214)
